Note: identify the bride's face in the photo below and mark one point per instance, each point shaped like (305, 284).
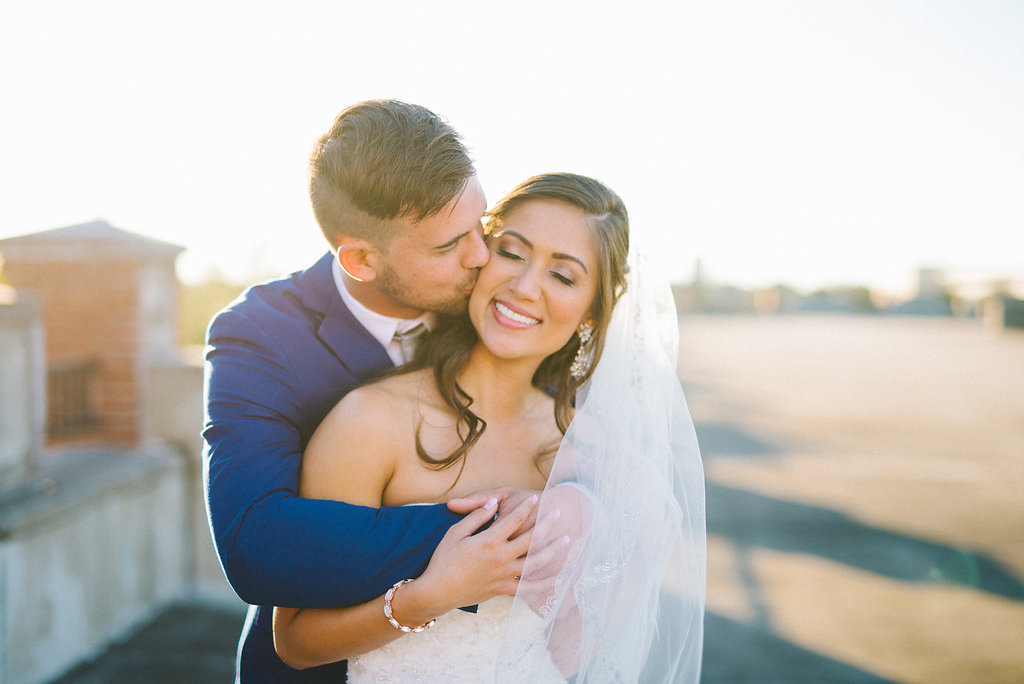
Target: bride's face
(540, 281)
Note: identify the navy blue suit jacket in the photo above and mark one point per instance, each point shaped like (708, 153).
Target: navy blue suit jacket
(277, 360)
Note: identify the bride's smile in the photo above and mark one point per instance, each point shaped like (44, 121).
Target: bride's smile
(540, 282)
(506, 315)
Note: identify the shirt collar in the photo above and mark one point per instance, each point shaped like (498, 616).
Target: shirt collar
(383, 328)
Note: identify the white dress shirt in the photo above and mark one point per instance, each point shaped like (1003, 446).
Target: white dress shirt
(383, 328)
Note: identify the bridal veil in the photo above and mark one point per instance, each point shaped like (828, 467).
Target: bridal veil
(628, 483)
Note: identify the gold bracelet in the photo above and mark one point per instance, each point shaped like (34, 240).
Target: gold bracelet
(391, 618)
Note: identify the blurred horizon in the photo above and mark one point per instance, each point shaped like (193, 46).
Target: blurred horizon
(808, 143)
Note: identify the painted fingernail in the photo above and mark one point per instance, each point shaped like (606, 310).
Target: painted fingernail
(533, 499)
(564, 541)
(491, 503)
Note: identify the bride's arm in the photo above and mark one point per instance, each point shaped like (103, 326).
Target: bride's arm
(465, 569)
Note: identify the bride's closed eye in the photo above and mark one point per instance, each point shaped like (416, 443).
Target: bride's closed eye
(508, 248)
(564, 279)
(508, 255)
(509, 252)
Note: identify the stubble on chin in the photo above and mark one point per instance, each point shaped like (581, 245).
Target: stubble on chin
(456, 306)
(407, 295)
(460, 302)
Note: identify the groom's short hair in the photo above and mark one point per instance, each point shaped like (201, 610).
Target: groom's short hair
(383, 160)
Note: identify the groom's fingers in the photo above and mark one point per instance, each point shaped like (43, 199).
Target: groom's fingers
(548, 559)
(542, 533)
(506, 524)
(545, 527)
(511, 503)
(475, 520)
(472, 502)
(536, 592)
(509, 499)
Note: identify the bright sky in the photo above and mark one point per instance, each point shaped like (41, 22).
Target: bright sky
(812, 142)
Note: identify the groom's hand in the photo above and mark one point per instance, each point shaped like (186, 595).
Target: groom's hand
(508, 498)
(566, 513)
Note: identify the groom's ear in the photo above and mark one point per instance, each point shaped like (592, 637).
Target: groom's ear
(357, 258)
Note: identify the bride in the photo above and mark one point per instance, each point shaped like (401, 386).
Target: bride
(548, 384)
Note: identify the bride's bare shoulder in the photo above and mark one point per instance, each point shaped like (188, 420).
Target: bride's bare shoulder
(401, 392)
(377, 404)
(352, 454)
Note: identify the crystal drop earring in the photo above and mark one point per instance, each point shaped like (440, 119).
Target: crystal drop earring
(581, 363)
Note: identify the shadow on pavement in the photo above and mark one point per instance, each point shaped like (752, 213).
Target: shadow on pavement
(721, 439)
(750, 520)
(185, 643)
(738, 653)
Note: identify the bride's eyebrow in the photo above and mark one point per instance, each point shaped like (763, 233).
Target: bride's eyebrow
(570, 257)
(556, 255)
(517, 236)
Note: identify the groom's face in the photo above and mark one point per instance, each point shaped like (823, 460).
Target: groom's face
(433, 264)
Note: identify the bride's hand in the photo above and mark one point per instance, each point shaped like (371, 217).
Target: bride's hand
(469, 567)
(509, 500)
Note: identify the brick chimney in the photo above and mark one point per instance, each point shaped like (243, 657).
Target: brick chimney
(108, 300)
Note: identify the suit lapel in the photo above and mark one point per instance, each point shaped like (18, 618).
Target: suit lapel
(351, 343)
(339, 330)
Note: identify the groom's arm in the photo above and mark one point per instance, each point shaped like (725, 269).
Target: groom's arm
(275, 547)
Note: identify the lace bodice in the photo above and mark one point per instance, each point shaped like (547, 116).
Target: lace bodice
(460, 647)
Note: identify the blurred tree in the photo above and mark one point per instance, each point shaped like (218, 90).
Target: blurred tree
(859, 297)
(841, 298)
(198, 303)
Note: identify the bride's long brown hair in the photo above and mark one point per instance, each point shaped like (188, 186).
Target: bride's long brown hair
(446, 349)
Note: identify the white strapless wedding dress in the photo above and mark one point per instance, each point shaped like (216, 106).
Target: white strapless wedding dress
(460, 647)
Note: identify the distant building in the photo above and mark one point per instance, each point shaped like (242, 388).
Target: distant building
(1003, 311)
(108, 300)
(777, 299)
(101, 507)
(931, 283)
(704, 297)
(933, 297)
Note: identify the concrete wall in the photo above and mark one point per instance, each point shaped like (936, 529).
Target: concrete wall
(101, 526)
(21, 390)
(90, 546)
(94, 541)
(175, 418)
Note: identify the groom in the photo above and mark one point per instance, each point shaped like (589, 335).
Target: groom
(396, 195)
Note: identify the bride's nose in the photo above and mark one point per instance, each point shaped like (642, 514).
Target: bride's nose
(526, 285)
